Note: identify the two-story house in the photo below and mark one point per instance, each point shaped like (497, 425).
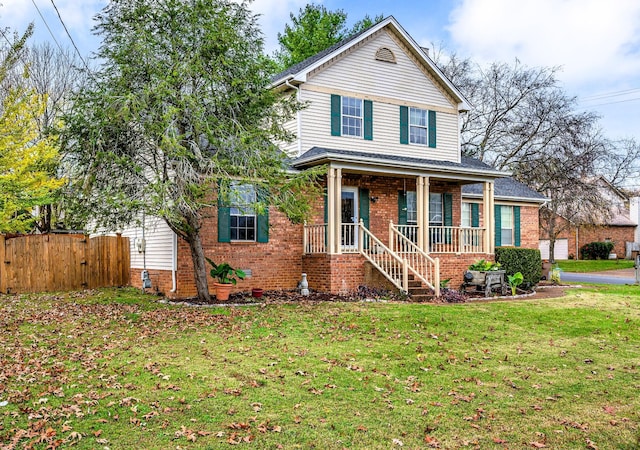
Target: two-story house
(400, 200)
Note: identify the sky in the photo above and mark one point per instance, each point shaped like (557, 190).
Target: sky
(596, 43)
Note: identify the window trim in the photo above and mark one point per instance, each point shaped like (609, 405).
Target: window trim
(343, 116)
(425, 127)
(238, 209)
(510, 208)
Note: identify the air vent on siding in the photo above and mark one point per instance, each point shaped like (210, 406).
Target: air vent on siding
(386, 55)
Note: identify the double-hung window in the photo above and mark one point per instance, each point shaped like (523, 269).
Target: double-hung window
(418, 126)
(506, 225)
(352, 114)
(243, 216)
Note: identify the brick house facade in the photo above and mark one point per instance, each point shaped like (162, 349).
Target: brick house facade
(399, 197)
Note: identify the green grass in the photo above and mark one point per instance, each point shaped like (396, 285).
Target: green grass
(582, 266)
(117, 369)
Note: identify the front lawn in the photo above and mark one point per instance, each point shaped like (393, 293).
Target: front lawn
(120, 370)
(600, 265)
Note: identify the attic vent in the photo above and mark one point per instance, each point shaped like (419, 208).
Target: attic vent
(386, 55)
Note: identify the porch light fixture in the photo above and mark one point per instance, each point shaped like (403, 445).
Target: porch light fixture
(373, 199)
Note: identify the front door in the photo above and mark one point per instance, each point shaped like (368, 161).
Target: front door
(349, 218)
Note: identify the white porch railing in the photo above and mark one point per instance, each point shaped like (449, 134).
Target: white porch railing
(456, 240)
(349, 238)
(394, 268)
(314, 238)
(423, 266)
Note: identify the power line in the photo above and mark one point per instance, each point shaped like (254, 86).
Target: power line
(47, 25)
(609, 94)
(613, 103)
(69, 35)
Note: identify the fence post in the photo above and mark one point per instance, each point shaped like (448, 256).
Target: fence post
(3, 266)
(391, 237)
(361, 236)
(305, 238)
(436, 277)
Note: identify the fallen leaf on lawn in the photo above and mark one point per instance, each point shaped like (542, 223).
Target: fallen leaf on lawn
(397, 442)
(591, 445)
(497, 440)
(538, 444)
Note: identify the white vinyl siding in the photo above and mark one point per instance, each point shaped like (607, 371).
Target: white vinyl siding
(316, 130)
(158, 244)
(358, 71)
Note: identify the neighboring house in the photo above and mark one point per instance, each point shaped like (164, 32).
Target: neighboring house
(619, 225)
(400, 199)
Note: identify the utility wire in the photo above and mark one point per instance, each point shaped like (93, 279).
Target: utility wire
(69, 35)
(613, 103)
(47, 25)
(609, 94)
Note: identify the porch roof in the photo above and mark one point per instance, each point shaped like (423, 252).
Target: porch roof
(506, 189)
(473, 168)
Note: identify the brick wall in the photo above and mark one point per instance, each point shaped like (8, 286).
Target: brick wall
(161, 281)
(454, 266)
(338, 274)
(274, 265)
(529, 227)
(579, 236)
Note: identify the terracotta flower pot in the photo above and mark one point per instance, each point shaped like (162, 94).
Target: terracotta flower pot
(222, 291)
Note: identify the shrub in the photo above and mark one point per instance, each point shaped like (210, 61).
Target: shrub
(527, 261)
(452, 296)
(484, 266)
(596, 250)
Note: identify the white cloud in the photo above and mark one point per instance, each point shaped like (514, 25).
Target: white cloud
(592, 40)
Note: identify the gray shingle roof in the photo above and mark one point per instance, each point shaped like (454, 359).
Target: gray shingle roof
(319, 153)
(506, 188)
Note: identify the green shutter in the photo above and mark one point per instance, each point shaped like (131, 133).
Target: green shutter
(475, 215)
(368, 120)
(432, 129)
(404, 125)
(335, 115)
(498, 223)
(402, 208)
(516, 226)
(363, 211)
(224, 223)
(447, 208)
(262, 220)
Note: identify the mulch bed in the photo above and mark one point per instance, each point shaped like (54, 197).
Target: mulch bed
(293, 296)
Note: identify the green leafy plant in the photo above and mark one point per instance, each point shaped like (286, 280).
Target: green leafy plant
(514, 281)
(484, 266)
(527, 261)
(555, 275)
(225, 274)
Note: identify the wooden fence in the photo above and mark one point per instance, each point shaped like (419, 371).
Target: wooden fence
(62, 262)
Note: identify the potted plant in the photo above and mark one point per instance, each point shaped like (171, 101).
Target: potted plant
(226, 277)
(480, 268)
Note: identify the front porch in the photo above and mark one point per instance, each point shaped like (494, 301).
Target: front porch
(403, 227)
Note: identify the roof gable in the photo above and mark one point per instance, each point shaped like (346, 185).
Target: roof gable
(300, 72)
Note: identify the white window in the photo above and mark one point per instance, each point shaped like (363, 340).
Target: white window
(352, 113)
(506, 225)
(412, 208)
(418, 126)
(243, 216)
(466, 215)
(435, 210)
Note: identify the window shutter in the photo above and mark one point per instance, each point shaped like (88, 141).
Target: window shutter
(363, 211)
(475, 215)
(447, 207)
(262, 220)
(432, 129)
(224, 223)
(368, 120)
(335, 115)
(402, 208)
(516, 226)
(404, 125)
(498, 224)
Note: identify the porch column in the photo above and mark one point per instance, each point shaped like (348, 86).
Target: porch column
(331, 210)
(425, 218)
(338, 211)
(419, 211)
(489, 219)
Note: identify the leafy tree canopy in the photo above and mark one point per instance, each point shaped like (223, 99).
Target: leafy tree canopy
(314, 29)
(180, 107)
(26, 159)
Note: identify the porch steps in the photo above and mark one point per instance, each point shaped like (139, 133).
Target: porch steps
(418, 292)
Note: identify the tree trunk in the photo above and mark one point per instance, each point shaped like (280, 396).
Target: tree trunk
(199, 266)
